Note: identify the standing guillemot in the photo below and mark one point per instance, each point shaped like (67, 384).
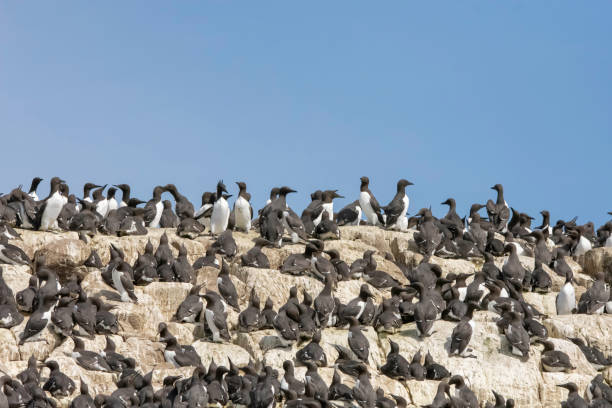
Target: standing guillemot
(395, 211)
(220, 212)
(368, 203)
(574, 400)
(205, 211)
(462, 333)
(226, 287)
(100, 201)
(38, 320)
(594, 300)
(425, 312)
(243, 212)
(357, 340)
(215, 318)
(154, 208)
(289, 382)
(324, 304)
(184, 208)
(249, 318)
(183, 271)
(499, 212)
(168, 218)
(123, 283)
(566, 299)
(32, 191)
(125, 194)
(52, 205)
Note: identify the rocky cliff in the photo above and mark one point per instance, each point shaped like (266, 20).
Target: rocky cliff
(494, 367)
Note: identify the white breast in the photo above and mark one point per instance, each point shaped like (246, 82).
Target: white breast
(112, 204)
(159, 208)
(102, 207)
(220, 216)
(243, 214)
(566, 300)
(582, 247)
(366, 207)
(52, 209)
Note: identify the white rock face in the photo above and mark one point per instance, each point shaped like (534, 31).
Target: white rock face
(495, 368)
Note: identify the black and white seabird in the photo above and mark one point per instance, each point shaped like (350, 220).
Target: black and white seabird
(594, 300)
(368, 203)
(226, 287)
(324, 303)
(255, 257)
(221, 212)
(574, 400)
(184, 208)
(179, 355)
(593, 355)
(122, 281)
(190, 308)
(312, 352)
(125, 194)
(243, 212)
(89, 360)
(168, 218)
(350, 214)
(289, 382)
(433, 370)
(498, 211)
(389, 320)
(12, 254)
(395, 211)
(517, 336)
(396, 367)
(215, 318)
(462, 333)
(566, 299)
(38, 320)
(466, 396)
(154, 208)
(32, 191)
(554, 360)
(357, 341)
(425, 312)
(316, 384)
(248, 319)
(58, 384)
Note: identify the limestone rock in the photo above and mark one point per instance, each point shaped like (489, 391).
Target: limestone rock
(598, 260)
(595, 330)
(65, 254)
(519, 379)
(220, 352)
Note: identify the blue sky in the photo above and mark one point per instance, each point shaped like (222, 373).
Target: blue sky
(454, 96)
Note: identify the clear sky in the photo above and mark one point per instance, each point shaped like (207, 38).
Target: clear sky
(455, 96)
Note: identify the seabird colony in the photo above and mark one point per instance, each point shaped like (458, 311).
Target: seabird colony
(430, 295)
